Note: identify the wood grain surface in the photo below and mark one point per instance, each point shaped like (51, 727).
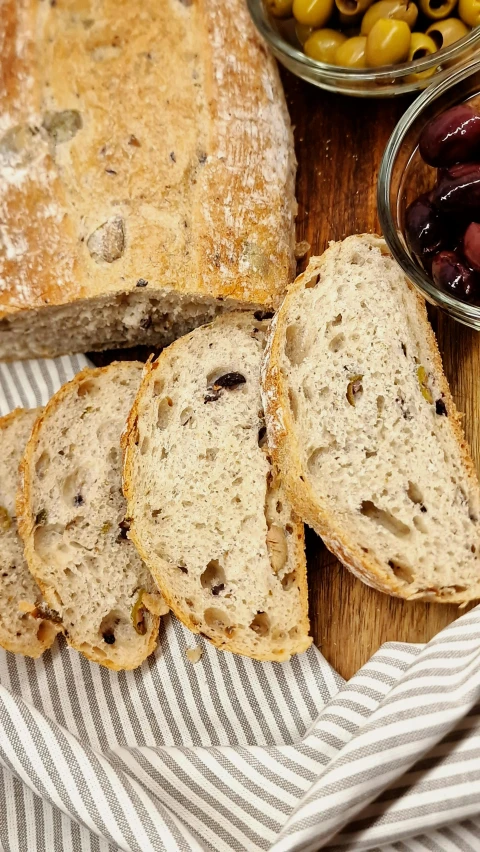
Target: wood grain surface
(339, 144)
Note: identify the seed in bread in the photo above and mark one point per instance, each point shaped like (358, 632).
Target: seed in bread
(363, 428)
(208, 513)
(26, 626)
(146, 172)
(72, 519)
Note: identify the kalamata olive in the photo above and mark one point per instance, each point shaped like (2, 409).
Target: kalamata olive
(454, 277)
(458, 188)
(471, 245)
(423, 227)
(452, 137)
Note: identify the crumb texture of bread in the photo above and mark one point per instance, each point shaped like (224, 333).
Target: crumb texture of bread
(22, 629)
(72, 519)
(207, 511)
(148, 152)
(363, 428)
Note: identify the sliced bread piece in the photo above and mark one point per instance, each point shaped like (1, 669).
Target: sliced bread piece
(363, 428)
(24, 625)
(207, 512)
(72, 518)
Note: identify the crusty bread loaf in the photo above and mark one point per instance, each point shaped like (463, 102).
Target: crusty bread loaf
(71, 514)
(146, 172)
(206, 510)
(363, 428)
(24, 627)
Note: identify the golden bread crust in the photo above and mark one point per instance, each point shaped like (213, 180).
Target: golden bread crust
(177, 137)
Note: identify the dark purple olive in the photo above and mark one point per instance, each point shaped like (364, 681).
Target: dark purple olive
(423, 227)
(471, 245)
(453, 277)
(452, 137)
(458, 189)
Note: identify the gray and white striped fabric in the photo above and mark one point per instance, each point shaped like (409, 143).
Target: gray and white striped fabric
(229, 754)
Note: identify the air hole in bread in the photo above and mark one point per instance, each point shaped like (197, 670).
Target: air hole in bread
(401, 572)
(260, 624)
(42, 464)
(288, 580)
(420, 524)
(189, 603)
(213, 578)
(414, 494)
(473, 548)
(108, 626)
(218, 620)
(145, 445)
(337, 343)
(308, 389)
(44, 536)
(384, 519)
(46, 632)
(295, 349)
(404, 349)
(279, 507)
(380, 406)
(293, 400)
(337, 321)
(113, 456)
(370, 454)
(312, 282)
(158, 387)
(89, 387)
(164, 411)
(293, 632)
(73, 486)
(262, 436)
(186, 416)
(289, 528)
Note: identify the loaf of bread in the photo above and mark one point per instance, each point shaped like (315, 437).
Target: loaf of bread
(146, 172)
(26, 625)
(363, 428)
(71, 513)
(206, 509)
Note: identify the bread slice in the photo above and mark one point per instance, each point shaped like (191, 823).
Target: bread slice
(151, 156)
(363, 428)
(206, 509)
(72, 519)
(24, 625)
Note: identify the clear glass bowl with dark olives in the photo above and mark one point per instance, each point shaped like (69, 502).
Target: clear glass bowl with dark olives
(428, 194)
(370, 48)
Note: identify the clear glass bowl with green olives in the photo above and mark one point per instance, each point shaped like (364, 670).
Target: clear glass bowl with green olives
(370, 48)
(442, 124)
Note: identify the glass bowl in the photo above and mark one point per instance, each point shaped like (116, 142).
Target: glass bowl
(370, 83)
(404, 176)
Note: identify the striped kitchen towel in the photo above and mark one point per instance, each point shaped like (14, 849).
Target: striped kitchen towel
(230, 754)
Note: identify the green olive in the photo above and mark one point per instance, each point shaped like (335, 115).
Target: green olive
(313, 13)
(351, 54)
(322, 45)
(469, 11)
(438, 9)
(446, 32)
(398, 10)
(303, 32)
(388, 42)
(421, 45)
(351, 8)
(280, 8)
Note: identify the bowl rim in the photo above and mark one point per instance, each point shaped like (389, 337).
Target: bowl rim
(281, 46)
(393, 238)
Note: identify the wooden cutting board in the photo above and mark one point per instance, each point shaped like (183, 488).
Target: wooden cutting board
(339, 144)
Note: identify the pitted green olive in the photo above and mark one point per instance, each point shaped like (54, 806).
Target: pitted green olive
(469, 11)
(280, 8)
(421, 46)
(313, 13)
(438, 9)
(351, 54)
(398, 10)
(322, 45)
(388, 42)
(350, 8)
(447, 32)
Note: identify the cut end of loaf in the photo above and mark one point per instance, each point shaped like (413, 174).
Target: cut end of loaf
(208, 513)
(364, 429)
